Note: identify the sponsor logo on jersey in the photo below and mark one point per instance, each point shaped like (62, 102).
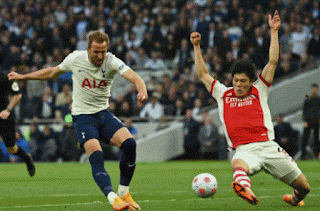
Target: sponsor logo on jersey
(94, 84)
(239, 102)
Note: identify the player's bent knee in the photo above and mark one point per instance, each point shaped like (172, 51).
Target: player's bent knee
(130, 143)
(96, 158)
(91, 146)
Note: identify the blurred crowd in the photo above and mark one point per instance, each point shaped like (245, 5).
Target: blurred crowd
(151, 35)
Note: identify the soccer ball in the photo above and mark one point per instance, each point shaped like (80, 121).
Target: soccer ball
(204, 185)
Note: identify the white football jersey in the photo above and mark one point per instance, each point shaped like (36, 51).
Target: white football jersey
(91, 84)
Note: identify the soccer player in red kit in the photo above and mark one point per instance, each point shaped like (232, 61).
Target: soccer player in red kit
(246, 118)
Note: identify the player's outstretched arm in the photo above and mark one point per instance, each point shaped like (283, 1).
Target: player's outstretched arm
(134, 78)
(43, 74)
(269, 69)
(201, 67)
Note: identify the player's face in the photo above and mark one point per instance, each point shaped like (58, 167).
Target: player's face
(97, 53)
(241, 84)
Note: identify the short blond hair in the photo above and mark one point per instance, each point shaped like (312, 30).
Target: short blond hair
(97, 36)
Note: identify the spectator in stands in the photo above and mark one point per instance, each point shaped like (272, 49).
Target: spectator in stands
(235, 31)
(299, 41)
(64, 97)
(140, 58)
(284, 41)
(179, 109)
(191, 130)
(152, 85)
(311, 118)
(35, 135)
(260, 43)
(183, 56)
(196, 110)
(47, 145)
(125, 109)
(131, 97)
(35, 90)
(187, 100)
(286, 136)
(209, 138)
(155, 62)
(68, 144)
(314, 44)
(48, 107)
(170, 48)
(139, 28)
(153, 110)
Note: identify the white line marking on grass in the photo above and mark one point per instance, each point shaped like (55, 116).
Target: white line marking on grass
(140, 201)
(52, 205)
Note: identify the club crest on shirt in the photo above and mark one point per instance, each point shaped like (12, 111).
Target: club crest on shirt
(121, 67)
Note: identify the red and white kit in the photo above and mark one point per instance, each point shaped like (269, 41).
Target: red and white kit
(248, 119)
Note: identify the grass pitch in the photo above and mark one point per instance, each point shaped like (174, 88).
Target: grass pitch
(155, 186)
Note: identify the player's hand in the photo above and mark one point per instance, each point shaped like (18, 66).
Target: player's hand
(13, 76)
(4, 114)
(195, 38)
(274, 22)
(142, 96)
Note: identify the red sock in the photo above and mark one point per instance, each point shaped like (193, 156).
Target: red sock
(240, 176)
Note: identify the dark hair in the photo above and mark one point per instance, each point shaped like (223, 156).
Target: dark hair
(246, 67)
(315, 85)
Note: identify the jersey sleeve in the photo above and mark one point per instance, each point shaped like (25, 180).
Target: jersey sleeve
(262, 85)
(66, 64)
(118, 65)
(217, 89)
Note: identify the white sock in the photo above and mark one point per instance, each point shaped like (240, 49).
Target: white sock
(111, 196)
(123, 190)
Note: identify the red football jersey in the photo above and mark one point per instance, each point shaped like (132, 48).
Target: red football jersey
(247, 119)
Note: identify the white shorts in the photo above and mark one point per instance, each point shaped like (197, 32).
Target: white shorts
(271, 158)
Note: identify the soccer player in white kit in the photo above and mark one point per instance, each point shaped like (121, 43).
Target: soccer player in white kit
(246, 118)
(93, 71)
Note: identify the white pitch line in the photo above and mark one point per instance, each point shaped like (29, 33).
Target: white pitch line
(140, 201)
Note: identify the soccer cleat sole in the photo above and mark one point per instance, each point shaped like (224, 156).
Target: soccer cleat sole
(240, 191)
(133, 208)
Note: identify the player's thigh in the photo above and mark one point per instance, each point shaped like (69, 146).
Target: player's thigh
(91, 146)
(114, 131)
(120, 136)
(252, 161)
(281, 165)
(8, 131)
(86, 127)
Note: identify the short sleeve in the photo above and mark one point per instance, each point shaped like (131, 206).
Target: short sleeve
(262, 85)
(217, 89)
(66, 64)
(118, 65)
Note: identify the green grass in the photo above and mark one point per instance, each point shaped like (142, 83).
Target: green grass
(155, 186)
